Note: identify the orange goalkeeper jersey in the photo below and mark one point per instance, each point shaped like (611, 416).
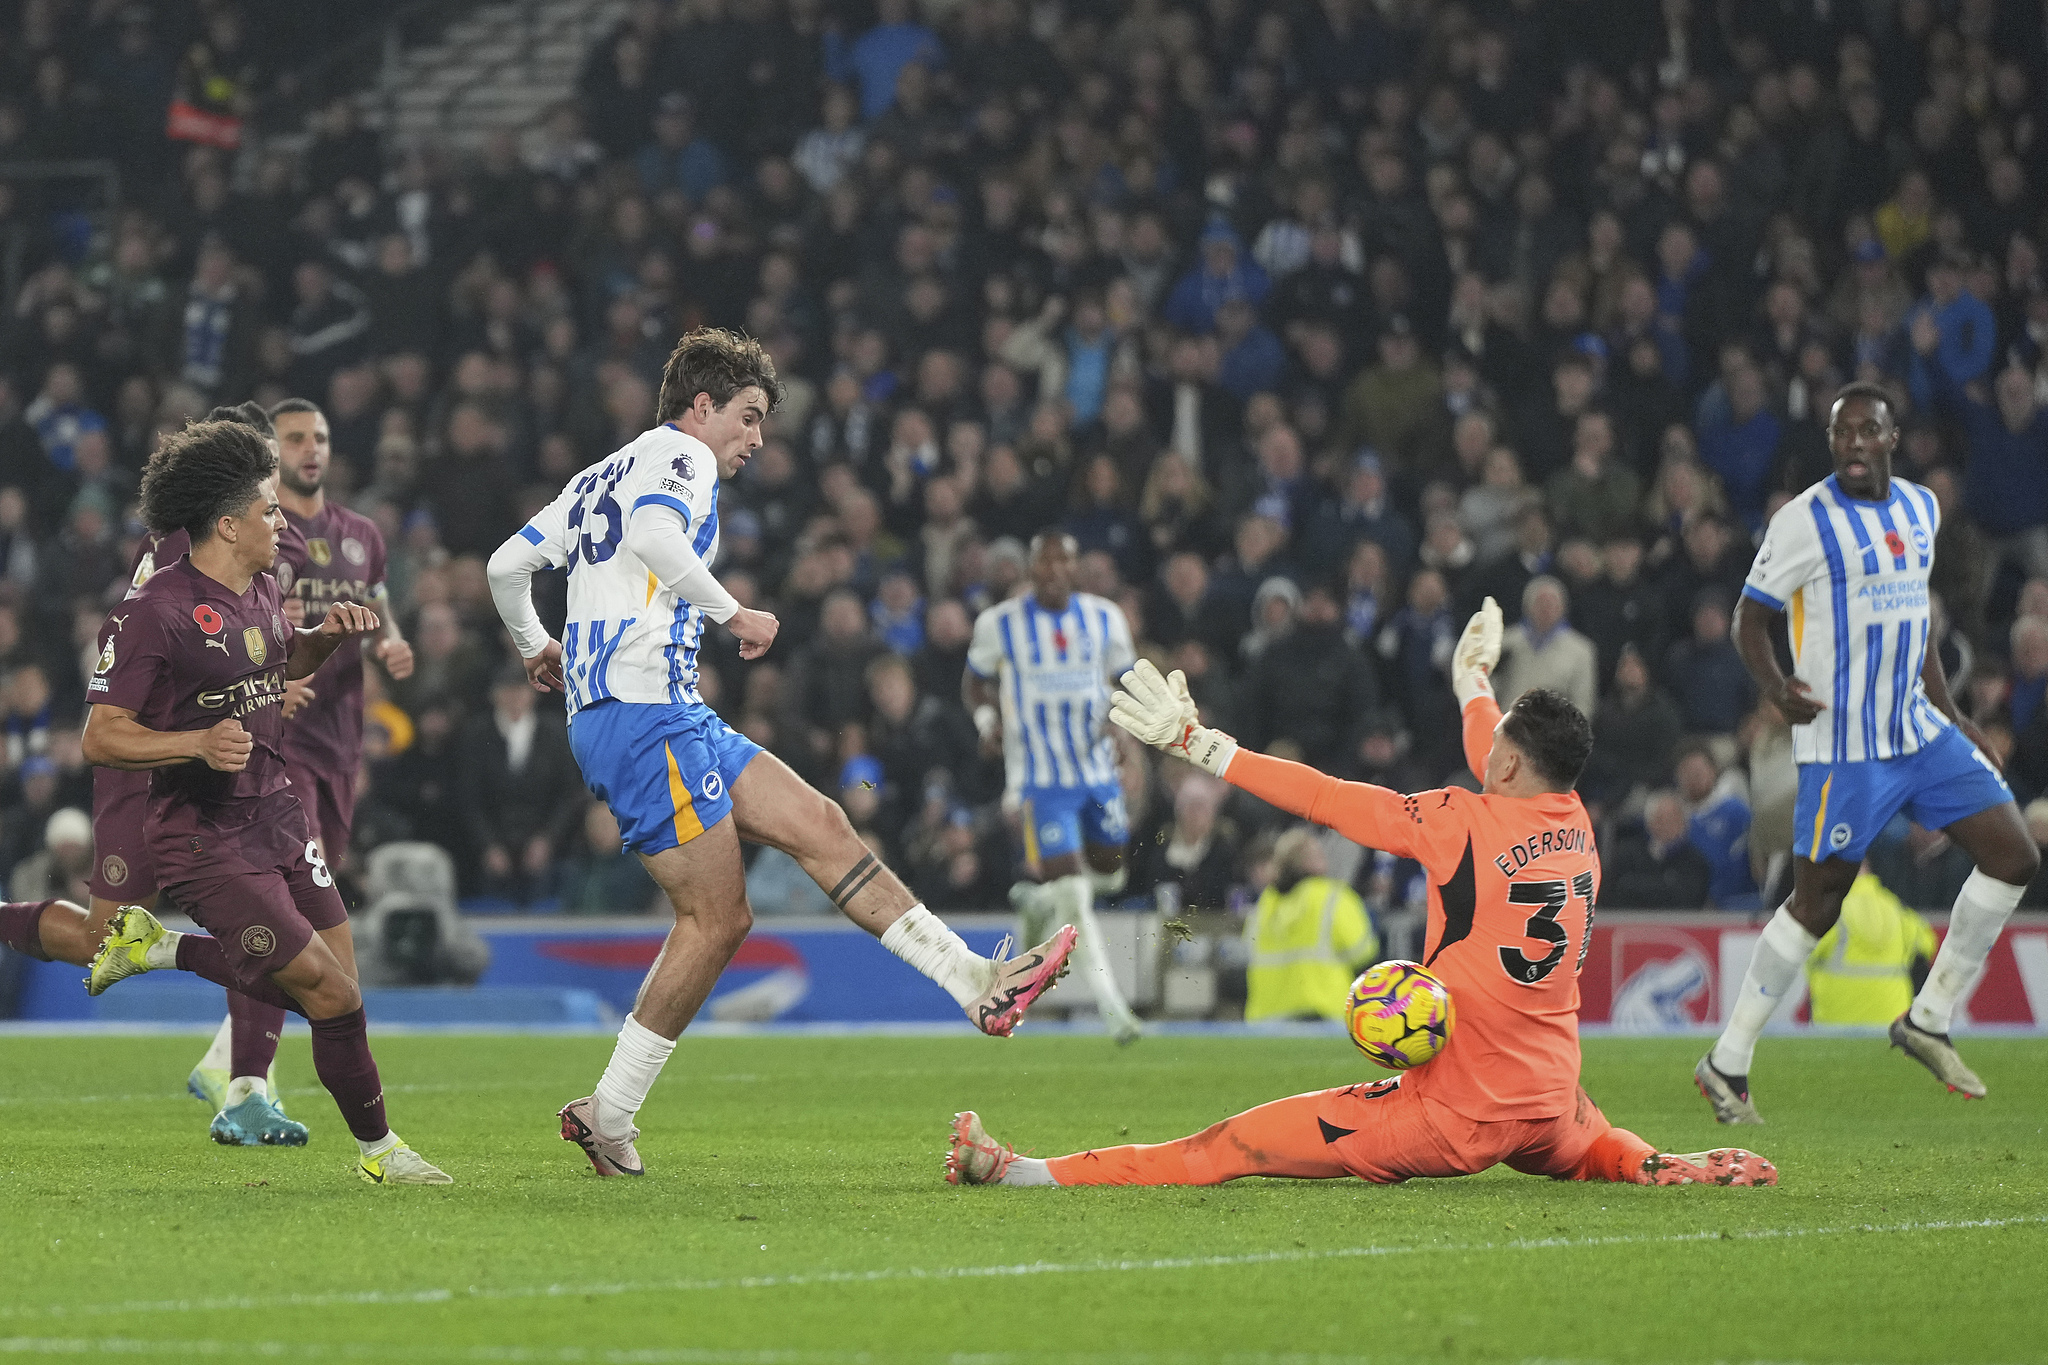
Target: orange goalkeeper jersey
(1512, 882)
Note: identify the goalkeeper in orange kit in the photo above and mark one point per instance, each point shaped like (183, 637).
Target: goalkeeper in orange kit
(1514, 875)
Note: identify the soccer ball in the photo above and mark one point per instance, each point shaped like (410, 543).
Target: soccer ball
(1399, 1014)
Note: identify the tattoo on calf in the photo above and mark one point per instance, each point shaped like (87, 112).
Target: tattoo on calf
(850, 885)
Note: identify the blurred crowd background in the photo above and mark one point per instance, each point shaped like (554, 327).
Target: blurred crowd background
(1313, 323)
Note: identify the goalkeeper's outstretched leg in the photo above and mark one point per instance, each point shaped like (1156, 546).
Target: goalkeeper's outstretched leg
(1379, 1132)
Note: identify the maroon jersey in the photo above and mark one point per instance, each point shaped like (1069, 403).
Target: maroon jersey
(186, 655)
(337, 556)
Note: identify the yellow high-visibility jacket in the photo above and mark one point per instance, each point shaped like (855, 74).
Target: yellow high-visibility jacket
(1861, 971)
(1307, 943)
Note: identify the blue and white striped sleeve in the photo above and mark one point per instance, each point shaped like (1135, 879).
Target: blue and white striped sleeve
(1790, 558)
(985, 650)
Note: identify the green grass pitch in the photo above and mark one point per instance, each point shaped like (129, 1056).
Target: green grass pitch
(795, 1212)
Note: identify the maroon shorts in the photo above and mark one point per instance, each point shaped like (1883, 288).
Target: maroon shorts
(330, 802)
(264, 895)
(125, 869)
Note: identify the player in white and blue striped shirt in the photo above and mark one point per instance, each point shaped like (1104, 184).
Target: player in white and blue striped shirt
(1874, 731)
(1038, 676)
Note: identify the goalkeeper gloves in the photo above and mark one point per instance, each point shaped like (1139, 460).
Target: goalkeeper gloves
(1159, 711)
(1477, 652)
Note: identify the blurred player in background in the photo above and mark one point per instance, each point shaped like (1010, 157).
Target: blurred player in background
(1874, 732)
(638, 533)
(1038, 681)
(191, 690)
(1514, 875)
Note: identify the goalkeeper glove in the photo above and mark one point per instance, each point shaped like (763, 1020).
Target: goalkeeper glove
(1159, 711)
(1477, 652)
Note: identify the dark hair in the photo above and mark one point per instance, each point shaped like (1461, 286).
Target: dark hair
(718, 362)
(294, 405)
(1553, 733)
(207, 471)
(1866, 388)
(250, 414)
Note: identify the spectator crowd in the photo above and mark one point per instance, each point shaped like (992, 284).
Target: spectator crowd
(1313, 323)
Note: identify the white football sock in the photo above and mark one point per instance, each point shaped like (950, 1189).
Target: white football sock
(1091, 961)
(380, 1146)
(163, 953)
(220, 1053)
(1027, 1170)
(922, 939)
(1109, 883)
(636, 1061)
(1781, 952)
(241, 1088)
(1982, 908)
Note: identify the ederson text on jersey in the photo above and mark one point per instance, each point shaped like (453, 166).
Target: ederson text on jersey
(1851, 577)
(627, 636)
(1054, 670)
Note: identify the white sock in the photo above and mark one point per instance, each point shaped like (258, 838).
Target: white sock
(220, 1052)
(1109, 883)
(1780, 956)
(636, 1061)
(163, 953)
(1091, 963)
(1982, 908)
(1027, 1170)
(380, 1146)
(922, 939)
(241, 1088)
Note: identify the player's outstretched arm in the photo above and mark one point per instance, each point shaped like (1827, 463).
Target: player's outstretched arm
(1158, 710)
(1472, 664)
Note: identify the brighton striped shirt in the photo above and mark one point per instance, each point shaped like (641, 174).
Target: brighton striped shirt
(1851, 577)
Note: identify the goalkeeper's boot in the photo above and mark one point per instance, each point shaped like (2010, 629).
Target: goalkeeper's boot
(124, 951)
(400, 1165)
(972, 1156)
(1722, 1166)
(1017, 982)
(1728, 1094)
(1935, 1052)
(256, 1122)
(607, 1156)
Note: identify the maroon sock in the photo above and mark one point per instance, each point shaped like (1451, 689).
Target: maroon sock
(341, 1054)
(253, 1030)
(21, 928)
(202, 956)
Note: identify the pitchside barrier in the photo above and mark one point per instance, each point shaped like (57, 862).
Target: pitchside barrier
(1645, 973)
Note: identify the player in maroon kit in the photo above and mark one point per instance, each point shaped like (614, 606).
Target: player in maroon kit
(191, 687)
(124, 873)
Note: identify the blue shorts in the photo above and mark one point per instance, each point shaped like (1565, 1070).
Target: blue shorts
(665, 771)
(1843, 806)
(1058, 820)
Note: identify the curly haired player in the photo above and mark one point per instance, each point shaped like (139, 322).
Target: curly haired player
(191, 688)
(1514, 874)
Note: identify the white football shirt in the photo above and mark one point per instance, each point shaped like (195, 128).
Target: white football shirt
(1054, 670)
(1851, 577)
(627, 636)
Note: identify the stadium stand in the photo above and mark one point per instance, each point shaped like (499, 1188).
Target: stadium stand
(1313, 323)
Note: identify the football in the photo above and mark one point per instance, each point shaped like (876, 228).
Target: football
(1399, 1014)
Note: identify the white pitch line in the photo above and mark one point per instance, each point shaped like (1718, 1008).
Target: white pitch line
(585, 1355)
(916, 1274)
